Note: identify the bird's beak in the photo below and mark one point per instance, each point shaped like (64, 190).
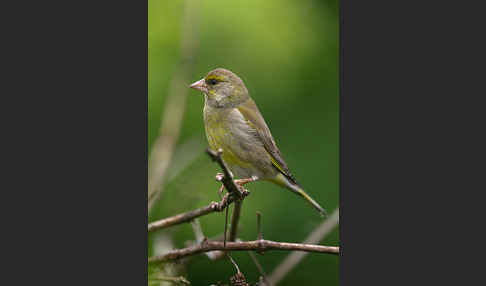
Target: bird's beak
(200, 85)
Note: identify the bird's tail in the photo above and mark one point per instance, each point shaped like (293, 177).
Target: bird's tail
(294, 187)
(283, 181)
(299, 191)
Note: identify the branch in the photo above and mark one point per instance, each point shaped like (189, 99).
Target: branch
(258, 266)
(239, 278)
(190, 215)
(235, 218)
(236, 193)
(256, 245)
(253, 256)
(179, 279)
(227, 178)
(196, 227)
(231, 187)
(294, 258)
(259, 225)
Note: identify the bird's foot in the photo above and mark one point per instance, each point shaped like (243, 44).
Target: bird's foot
(241, 182)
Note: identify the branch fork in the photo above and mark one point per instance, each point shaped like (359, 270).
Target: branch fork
(236, 193)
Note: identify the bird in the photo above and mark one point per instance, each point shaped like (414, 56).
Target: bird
(233, 123)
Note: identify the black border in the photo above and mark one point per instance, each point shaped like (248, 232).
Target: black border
(79, 211)
(408, 124)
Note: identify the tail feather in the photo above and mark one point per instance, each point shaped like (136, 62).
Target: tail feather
(299, 191)
(285, 182)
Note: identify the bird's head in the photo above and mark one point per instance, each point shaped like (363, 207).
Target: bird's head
(222, 88)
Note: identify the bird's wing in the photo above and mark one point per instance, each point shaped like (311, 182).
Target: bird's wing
(250, 111)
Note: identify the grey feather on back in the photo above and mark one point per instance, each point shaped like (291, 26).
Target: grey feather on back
(252, 114)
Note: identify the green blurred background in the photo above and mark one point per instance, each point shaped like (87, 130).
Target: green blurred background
(286, 52)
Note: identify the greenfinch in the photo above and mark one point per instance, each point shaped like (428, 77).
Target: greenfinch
(234, 124)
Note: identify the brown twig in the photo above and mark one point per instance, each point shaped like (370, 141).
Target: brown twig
(196, 228)
(225, 226)
(178, 280)
(294, 258)
(228, 181)
(259, 225)
(235, 218)
(239, 278)
(256, 245)
(190, 215)
(252, 255)
(200, 237)
(259, 267)
(236, 193)
(234, 263)
(227, 178)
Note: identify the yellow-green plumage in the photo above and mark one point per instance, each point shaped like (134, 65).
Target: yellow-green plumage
(234, 124)
(216, 131)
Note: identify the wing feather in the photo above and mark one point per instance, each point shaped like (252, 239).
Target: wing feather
(252, 114)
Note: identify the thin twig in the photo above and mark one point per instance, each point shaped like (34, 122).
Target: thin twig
(235, 218)
(179, 279)
(231, 187)
(171, 122)
(227, 178)
(225, 226)
(234, 263)
(190, 215)
(252, 255)
(256, 245)
(162, 244)
(259, 267)
(294, 258)
(200, 237)
(196, 228)
(239, 278)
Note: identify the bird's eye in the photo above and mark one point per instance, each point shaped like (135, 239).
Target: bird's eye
(213, 81)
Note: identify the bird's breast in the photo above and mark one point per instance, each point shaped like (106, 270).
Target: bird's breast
(242, 150)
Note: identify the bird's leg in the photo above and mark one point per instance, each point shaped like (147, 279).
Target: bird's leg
(241, 182)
